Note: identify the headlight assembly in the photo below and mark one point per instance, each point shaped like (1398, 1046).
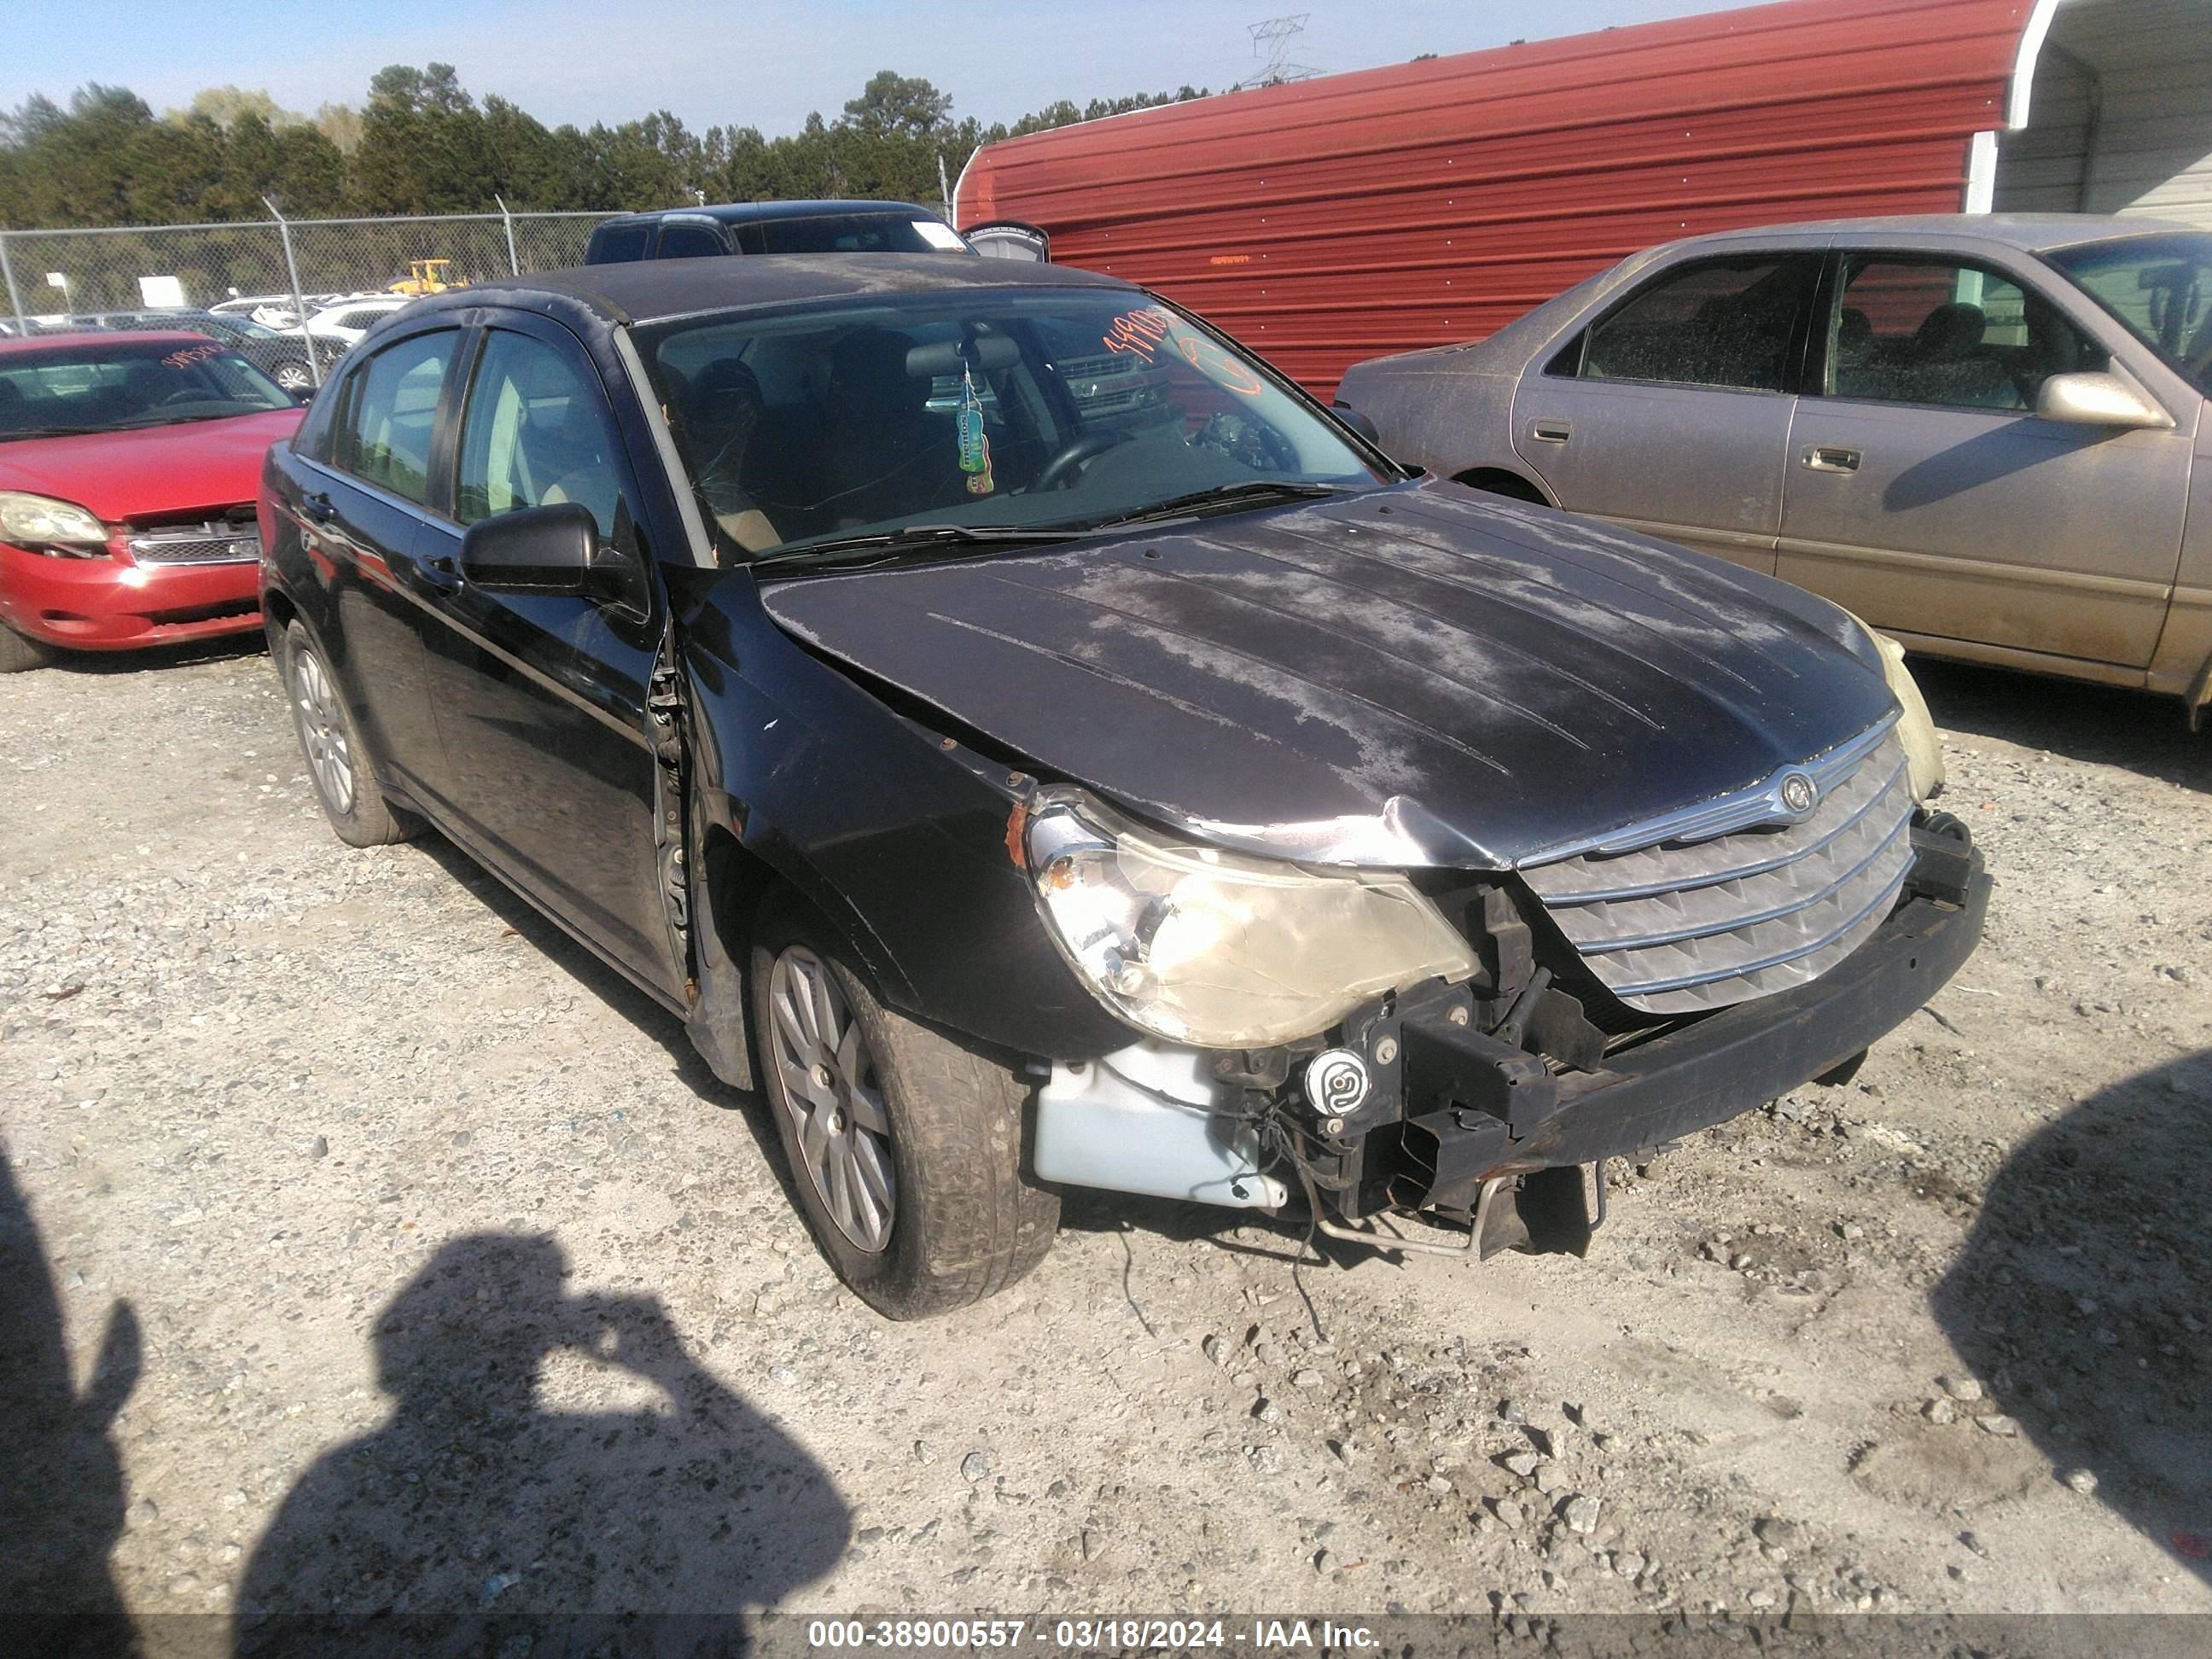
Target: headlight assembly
(43, 524)
(1217, 949)
(1923, 750)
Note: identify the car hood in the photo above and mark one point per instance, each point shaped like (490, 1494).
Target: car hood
(121, 475)
(1415, 677)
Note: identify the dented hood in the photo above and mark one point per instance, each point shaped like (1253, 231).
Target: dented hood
(1416, 676)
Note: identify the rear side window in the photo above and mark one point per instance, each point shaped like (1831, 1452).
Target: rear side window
(1725, 323)
(611, 244)
(687, 242)
(383, 434)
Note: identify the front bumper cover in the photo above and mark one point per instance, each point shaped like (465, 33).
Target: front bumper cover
(1494, 1110)
(114, 604)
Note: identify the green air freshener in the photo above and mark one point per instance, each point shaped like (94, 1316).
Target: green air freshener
(975, 446)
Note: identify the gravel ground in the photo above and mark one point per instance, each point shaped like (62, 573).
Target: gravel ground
(345, 1148)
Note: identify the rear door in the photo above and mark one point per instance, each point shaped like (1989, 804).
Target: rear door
(541, 697)
(1671, 412)
(362, 504)
(1926, 494)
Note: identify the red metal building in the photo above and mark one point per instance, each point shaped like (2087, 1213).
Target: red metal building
(1332, 220)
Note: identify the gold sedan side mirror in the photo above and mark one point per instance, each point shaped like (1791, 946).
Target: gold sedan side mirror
(2098, 399)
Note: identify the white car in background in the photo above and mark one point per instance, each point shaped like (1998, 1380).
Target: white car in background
(347, 320)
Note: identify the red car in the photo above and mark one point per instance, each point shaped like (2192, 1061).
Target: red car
(128, 466)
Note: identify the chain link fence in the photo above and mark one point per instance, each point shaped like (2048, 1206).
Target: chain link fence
(293, 267)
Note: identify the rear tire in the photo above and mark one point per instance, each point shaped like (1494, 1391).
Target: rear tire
(19, 655)
(337, 759)
(293, 377)
(957, 1220)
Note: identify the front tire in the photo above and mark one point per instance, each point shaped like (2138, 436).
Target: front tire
(293, 377)
(337, 759)
(905, 1148)
(19, 655)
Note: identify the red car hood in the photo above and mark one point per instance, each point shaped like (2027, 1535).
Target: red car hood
(122, 476)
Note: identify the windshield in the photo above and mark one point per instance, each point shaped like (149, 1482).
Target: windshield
(992, 409)
(88, 386)
(2160, 286)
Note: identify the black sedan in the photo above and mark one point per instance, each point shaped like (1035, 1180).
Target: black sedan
(1024, 735)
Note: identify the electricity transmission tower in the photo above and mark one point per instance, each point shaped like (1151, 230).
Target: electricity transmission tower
(1276, 34)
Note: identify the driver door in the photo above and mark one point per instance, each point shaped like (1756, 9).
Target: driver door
(540, 698)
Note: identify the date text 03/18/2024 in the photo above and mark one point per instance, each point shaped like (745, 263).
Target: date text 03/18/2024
(1255, 1635)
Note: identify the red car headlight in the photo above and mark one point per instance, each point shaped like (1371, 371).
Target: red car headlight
(43, 525)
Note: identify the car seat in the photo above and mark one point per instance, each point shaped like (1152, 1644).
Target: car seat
(888, 457)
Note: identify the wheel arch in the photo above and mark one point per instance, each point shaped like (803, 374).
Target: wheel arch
(1504, 481)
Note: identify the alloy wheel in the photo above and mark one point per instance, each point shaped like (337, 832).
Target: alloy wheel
(827, 1079)
(322, 731)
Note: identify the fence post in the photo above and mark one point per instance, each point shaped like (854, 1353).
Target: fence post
(299, 298)
(514, 264)
(14, 300)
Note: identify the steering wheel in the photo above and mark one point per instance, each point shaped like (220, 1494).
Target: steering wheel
(186, 396)
(1061, 470)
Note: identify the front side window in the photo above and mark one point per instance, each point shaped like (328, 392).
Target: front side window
(2159, 287)
(989, 407)
(1946, 334)
(1724, 323)
(383, 432)
(534, 432)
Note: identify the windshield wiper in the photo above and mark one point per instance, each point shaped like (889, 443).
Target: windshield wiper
(54, 432)
(1252, 491)
(921, 535)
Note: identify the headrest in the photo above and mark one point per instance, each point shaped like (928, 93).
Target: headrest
(868, 374)
(1949, 329)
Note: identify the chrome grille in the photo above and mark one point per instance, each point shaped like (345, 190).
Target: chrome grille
(1678, 925)
(201, 544)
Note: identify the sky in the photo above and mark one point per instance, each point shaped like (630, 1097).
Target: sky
(743, 63)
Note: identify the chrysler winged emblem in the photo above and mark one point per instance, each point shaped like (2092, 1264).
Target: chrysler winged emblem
(1800, 793)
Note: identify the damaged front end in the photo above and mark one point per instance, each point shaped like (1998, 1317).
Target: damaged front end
(1463, 1044)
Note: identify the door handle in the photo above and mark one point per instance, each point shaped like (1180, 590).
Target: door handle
(1829, 458)
(318, 507)
(440, 573)
(1550, 431)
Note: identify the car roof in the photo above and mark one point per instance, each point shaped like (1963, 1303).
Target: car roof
(742, 213)
(2032, 233)
(20, 345)
(648, 290)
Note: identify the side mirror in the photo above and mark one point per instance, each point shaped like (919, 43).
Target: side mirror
(540, 549)
(2098, 399)
(1357, 421)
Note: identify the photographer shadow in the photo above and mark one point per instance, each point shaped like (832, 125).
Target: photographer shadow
(62, 1490)
(475, 1508)
(2077, 1301)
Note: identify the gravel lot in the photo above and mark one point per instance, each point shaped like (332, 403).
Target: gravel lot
(357, 1145)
